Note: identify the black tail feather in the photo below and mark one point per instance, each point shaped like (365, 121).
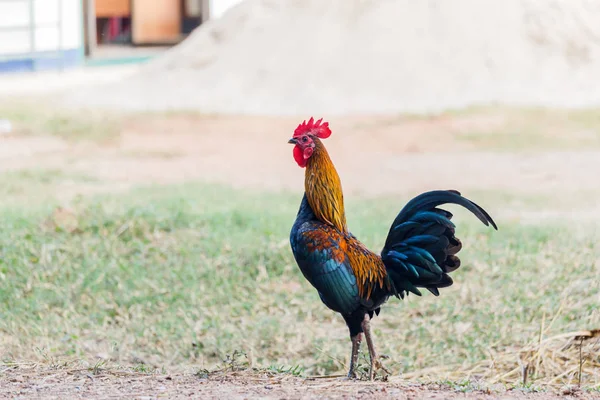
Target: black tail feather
(421, 247)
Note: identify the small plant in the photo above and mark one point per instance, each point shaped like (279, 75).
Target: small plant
(237, 361)
(98, 366)
(143, 368)
(295, 370)
(202, 374)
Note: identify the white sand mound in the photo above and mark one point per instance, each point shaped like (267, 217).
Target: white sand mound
(288, 57)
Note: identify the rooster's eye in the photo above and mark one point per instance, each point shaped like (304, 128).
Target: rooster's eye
(304, 139)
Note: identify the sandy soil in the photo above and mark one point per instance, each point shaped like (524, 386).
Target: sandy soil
(346, 57)
(46, 82)
(83, 384)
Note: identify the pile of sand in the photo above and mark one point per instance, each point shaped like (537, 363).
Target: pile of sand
(287, 57)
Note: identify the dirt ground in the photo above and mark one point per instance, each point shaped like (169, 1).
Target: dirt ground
(83, 384)
(373, 156)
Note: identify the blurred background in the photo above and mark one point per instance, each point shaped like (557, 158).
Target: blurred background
(147, 188)
(38, 35)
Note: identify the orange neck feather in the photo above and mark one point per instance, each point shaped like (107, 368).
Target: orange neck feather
(324, 189)
(324, 194)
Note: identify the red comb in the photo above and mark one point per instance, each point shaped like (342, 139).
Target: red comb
(320, 130)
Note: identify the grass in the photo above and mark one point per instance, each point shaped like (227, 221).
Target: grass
(202, 277)
(506, 129)
(29, 181)
(39, 185)
(186, 275)
(42, 119)
(532, 129)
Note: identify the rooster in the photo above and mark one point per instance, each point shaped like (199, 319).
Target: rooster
(419, 252)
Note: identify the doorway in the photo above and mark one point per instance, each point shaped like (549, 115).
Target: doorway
(131, 30)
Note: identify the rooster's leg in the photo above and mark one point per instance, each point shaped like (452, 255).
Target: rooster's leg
(354, 357)
(375, 363)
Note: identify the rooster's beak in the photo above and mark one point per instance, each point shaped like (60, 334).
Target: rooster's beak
(292, 141)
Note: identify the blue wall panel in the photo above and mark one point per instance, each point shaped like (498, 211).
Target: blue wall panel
(42, 61)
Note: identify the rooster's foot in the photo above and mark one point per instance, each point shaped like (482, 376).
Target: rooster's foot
(377, 365)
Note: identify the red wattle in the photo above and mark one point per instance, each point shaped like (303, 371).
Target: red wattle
(299, 156)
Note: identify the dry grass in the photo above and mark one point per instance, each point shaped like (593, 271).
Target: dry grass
(551, 357)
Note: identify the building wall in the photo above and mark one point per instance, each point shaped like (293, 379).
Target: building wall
(52, 38)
